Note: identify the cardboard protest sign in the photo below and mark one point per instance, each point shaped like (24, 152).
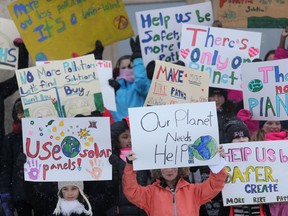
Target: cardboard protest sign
(173, 84)
(53, 30)
(219, 51)
(178, 135)
(160, 30)
(63, 149)
(255, 173)
(8, 51)
(62, 88)
(251, 14)
(265, 92)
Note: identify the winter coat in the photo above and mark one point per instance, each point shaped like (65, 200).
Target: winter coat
(186, 200)
(132, 94)
(124, 207)
(280, 53)
(279, 209)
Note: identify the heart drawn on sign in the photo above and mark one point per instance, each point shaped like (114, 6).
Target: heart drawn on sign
(253, 51)
(184, 52)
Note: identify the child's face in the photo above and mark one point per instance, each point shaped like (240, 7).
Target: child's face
(272, 126)
(20, 115)
(169, 174)
(126, 64)
(240, 139)
(125, 139)
(219, 100)
(70, 192)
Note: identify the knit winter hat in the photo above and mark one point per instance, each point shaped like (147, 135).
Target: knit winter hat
(78, 184)
(220, 91)
(235, 128)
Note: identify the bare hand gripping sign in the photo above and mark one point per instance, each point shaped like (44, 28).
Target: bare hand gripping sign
(174, 135)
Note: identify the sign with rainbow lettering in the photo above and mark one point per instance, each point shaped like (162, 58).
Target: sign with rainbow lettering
(219, 51)
(265, 92)
(61, 89)
(179, 135)
(251, 14)
(62, 149)
(255, 173)
(53, 30)
(8, 51)
(173, 84)
(160, 30)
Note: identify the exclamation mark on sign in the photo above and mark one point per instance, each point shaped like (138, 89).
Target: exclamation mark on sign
(79, 164)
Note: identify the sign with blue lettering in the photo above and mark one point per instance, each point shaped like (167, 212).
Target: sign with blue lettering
(61, 89)
(255, 173)
(179, 135)
(8, 51)
(160, 30)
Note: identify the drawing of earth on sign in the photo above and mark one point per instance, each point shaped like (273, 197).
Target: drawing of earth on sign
(204, 148)
(70, 146)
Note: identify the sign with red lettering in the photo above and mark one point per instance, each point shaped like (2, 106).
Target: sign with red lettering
(255, 173)
(173, 84)
(265, 89)
(65, 149)
(219, 51)
(251, 13)
(179, 135)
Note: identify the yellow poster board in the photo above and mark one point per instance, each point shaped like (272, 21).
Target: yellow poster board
(251, 13)
(53, 30)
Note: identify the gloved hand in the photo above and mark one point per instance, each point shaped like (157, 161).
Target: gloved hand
(114, 84)
(135, 47)
(21, 160)
(7, 204)
(23, 56)
(98, 51)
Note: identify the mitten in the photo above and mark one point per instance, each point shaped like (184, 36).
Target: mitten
(114, 84)
(246, 117)
(23, 57)
(135, 47)
(150, 69)
(7, 204)
(98, 51)
(21, 160)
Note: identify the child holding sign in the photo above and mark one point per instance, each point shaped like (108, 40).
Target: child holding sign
(170, 193)
(72, 200)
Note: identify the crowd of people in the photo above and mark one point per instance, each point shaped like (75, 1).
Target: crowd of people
(170, 191)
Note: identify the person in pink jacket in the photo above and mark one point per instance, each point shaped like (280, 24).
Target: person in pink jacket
(171, 194)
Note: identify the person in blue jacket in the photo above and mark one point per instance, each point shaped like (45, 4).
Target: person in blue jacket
(131, 83)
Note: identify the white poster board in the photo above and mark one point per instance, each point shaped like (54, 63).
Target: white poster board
(265, 92)
(62, 149)
(160, 29)
(219, 51)
(179, 135)
(8, 51)
(256, 172)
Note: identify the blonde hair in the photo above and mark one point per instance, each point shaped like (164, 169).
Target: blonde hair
(258, 135)
(182, 172)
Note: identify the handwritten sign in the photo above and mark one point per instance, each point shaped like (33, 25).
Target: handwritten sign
(160, 30)
(265, 91)
(172, 84)
(251, 14)
(179, 135)
(53, 30)
(255, 173)
(219, 51)
(8, 51)
(61, 149)
(61, 89)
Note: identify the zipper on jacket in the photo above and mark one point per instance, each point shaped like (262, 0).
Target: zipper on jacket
(174, 202)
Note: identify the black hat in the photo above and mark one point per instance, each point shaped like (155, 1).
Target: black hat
(220, 91)
(235, 128)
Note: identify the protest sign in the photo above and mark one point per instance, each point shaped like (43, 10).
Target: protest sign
(53, 30)
(172, 84)
(251, 14)
(255, 173)
(8, 51)
(62, 88)
(63, 149)
(160, 30)
(219, 51)
(178, 135)
(265, 92)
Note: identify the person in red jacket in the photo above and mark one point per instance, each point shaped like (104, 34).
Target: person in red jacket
(170, 193)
